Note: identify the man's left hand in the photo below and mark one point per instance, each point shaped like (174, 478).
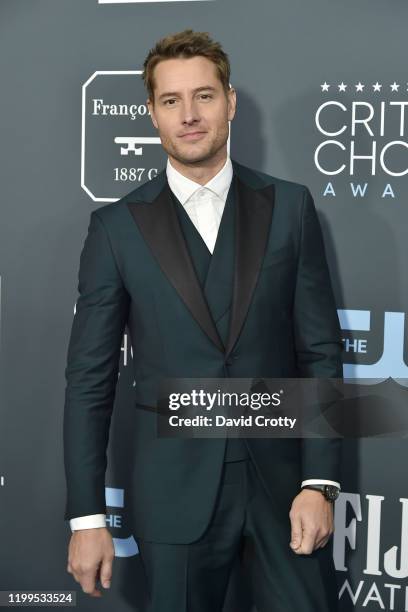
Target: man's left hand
(311, 517)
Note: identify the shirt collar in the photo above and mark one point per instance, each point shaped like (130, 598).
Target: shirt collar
(183, 187)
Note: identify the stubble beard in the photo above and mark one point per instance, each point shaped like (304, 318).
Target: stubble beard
(199, 156)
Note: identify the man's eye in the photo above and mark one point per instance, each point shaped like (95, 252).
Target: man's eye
(170, 100)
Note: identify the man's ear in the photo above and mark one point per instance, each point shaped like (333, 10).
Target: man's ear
(151, 112)
(232, 103)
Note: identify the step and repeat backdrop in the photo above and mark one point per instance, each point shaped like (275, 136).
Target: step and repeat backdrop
(322, 90)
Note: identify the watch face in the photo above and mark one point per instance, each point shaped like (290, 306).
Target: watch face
(331, 492)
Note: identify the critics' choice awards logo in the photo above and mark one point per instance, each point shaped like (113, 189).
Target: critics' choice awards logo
(361, 132)
(120, 146)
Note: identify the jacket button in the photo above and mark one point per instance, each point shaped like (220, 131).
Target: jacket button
(230, 361)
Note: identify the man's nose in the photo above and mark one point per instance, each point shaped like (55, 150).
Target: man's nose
(190, 113)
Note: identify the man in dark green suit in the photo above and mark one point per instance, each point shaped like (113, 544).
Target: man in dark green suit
(248, 296)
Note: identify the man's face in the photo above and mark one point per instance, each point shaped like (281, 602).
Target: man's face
(191, 110)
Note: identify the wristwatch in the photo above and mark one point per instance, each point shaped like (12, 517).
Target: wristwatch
(330, 492)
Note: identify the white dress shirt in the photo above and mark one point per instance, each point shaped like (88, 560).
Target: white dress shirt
(204, 205)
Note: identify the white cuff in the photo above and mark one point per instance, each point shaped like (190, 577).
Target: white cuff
(90, 521)
(320, 481)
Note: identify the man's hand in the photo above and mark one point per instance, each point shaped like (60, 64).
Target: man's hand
(311, 517)
(90, 556)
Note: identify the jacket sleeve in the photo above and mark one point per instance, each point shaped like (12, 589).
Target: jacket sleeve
(317, 335)
(92, 371)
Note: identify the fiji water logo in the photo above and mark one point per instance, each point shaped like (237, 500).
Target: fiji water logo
(362, 525)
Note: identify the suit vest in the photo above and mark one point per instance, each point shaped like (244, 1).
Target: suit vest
(215, 273)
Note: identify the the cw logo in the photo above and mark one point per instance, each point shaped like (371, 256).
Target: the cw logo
(124, 547)
(391, 363)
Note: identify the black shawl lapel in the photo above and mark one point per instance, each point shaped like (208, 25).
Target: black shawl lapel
(253, 217)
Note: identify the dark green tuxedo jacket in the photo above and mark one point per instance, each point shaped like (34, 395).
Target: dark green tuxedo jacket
(267, 310)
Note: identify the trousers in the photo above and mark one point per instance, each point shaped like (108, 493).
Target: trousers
(194, 577)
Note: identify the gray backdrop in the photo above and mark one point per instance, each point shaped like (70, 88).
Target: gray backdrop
(302, 71)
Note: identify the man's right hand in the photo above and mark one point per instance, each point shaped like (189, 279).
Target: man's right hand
(90, 556)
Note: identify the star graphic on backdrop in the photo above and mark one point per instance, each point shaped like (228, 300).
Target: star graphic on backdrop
(360, 86)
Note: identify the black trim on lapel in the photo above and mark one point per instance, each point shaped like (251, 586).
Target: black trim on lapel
(253, 217)
(153, 211)
(158, 223)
